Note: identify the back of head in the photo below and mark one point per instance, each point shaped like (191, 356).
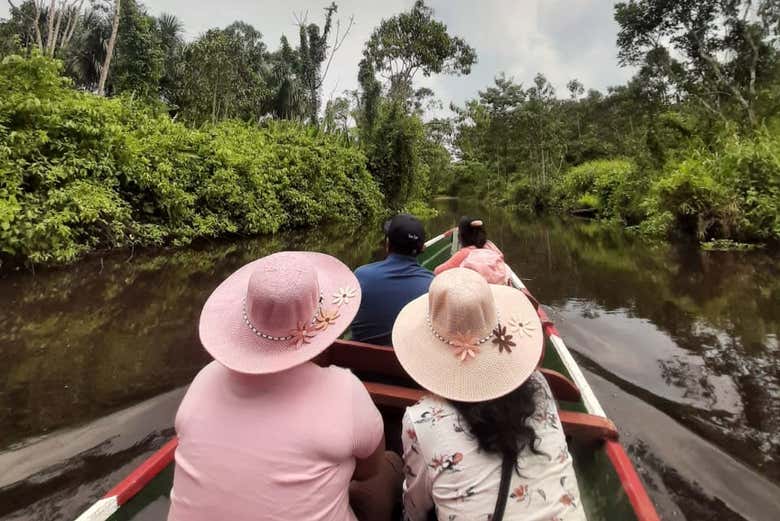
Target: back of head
(472, 232)
(500, 425)
(405, 235)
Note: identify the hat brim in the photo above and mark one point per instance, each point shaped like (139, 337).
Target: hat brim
(492, 374)
(226, 337)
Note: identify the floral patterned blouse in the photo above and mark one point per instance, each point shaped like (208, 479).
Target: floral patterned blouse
(446, 470)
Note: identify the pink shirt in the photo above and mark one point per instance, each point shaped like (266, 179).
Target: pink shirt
(271, 447)
(493, 270)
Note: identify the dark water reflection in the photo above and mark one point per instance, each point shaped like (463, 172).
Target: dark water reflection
(690, 335)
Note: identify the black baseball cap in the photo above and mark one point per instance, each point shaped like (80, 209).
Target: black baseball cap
(405, 233)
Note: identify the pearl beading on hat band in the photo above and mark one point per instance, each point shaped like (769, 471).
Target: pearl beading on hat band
(449, 342)
(272, 337)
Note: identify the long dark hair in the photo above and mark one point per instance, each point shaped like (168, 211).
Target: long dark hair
(500, 425)
(471, 235)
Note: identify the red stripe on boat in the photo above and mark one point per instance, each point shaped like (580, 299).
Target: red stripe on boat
(632, 484)
(144, 473)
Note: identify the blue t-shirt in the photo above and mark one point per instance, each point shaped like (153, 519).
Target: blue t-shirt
(387, 286)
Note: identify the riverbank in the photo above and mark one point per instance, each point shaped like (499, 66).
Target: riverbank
(83, 173)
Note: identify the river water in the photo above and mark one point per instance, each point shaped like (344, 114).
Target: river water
(681, 347)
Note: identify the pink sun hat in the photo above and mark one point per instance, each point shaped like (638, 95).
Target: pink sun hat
(468, 340)
(279, 311)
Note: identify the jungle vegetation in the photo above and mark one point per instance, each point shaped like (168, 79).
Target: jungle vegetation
(116, 131)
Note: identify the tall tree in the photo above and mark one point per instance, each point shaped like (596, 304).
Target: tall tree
(101, 88)
(50, 29)
(138, 58)
(413, 42)
(287, 97)
(726, 48)
(225, 75)
(170, 30)
(313, 51)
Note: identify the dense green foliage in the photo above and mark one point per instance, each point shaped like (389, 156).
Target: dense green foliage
(689, 145)
(229, 74)
(80, 172)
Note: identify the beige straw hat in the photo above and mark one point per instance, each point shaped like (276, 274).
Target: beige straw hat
(467, 340)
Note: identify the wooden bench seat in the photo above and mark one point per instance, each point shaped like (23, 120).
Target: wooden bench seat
(374, 360)
(583, 427)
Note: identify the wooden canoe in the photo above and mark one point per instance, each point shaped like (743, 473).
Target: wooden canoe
(610, 487)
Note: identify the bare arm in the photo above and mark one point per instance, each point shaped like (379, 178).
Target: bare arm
(452, 262)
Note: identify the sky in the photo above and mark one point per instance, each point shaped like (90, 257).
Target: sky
(563, 39)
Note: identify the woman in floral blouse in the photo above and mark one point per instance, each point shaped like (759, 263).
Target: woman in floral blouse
(488, 445)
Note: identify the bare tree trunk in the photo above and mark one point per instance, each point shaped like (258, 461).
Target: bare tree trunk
(56, 33)
(73, 22)
(101, 90)
(214, 106)
(50, 25)
(37, 27)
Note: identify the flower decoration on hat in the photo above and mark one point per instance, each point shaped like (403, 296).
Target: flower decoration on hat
(326, 318)
(526, 327)
(302, 334)
(502, 339)
(344, 295)
(465, 345)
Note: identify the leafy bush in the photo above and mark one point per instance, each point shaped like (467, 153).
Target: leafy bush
(80, 172)
(730, 193)
(529, 196)
(610, 187)
(420, 209)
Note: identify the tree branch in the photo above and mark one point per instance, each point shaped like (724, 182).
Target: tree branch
(336, 45)
(715, 66)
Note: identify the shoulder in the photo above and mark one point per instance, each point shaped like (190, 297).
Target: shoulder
(431, 411)
(211, 375)
(546, 418)
(492, 246)
(341, 381)
(369, 269)
(207, 384)
(424, 272)
(463, 253)
(335, 376)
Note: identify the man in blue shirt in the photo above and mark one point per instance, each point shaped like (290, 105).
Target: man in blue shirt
(387, 286)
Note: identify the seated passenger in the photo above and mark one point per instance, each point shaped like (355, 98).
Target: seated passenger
(489, 439)
(264, 433)
(390, 284)
(477, 253)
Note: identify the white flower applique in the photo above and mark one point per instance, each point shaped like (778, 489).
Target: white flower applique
(343, 296)
(525, 327)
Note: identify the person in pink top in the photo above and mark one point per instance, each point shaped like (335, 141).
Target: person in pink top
(264, 433)
(477, 253)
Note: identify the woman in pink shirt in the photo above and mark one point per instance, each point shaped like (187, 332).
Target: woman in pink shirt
(266, 434)
(477, 253)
